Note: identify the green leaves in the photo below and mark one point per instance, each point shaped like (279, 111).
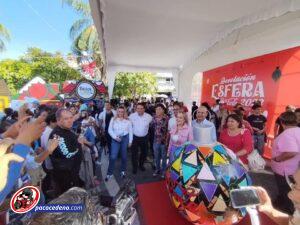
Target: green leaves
(84, 34)
(15, 73)
(36, 62)
(79, 5)
(78, 26)
(131, 85)
(4, 36)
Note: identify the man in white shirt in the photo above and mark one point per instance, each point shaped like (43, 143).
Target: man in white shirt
(172, 121)
(202, 122)
(140, 121)
(104, 120)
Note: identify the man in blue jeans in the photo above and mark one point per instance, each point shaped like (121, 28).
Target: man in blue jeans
(258, 123)
(160, 128)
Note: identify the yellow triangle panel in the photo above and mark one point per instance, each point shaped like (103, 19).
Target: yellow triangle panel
(177, 164)
(218, 160)
(176, 203)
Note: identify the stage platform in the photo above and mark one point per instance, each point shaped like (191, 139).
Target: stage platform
(156, 207)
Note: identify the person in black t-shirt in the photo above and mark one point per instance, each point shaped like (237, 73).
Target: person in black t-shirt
(258, 123)
(66, 159)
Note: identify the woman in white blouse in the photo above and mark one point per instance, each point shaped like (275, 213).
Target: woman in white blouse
(120, 130)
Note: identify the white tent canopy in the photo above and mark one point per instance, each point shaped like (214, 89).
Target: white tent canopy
(189, 36)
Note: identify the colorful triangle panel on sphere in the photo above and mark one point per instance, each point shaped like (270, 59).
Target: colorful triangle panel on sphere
(220, 205)
(218, 159)
(220, 149)
(240, 171)
(177, 164)
(178, 191)
(174, 175)
(192, 159)
(205, 151)
(187, 172)
(205, 173)
(176, 203)
(178, 151)
(249, 180)
(190, 148)
(193, 217)
(226, 178)
(244, 183)
(208, 189)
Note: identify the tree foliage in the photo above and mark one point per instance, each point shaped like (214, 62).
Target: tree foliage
(84, 34)
(4, 36)
(15, 73)
(36, 62)
(51, 67)
(133, 85)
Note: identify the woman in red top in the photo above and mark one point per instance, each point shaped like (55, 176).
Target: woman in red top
(237, 138)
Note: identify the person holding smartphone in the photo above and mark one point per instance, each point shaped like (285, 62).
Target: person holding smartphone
(277, 216)
(120, 130)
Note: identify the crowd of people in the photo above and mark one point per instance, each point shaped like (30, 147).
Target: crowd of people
(64, 145)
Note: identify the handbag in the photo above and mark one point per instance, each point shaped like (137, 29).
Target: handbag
(255, 161)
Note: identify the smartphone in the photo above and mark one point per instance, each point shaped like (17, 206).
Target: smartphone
(244, 197)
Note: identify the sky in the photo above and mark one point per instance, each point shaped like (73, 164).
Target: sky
(36, 23)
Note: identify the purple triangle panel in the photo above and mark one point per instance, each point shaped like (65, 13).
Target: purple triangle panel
(189, 148)
(209, 189)
(174, 175)
(240, 171)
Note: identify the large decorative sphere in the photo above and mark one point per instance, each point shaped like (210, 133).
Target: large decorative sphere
(199, 179)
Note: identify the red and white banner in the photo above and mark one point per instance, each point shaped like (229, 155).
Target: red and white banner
(257, 79)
